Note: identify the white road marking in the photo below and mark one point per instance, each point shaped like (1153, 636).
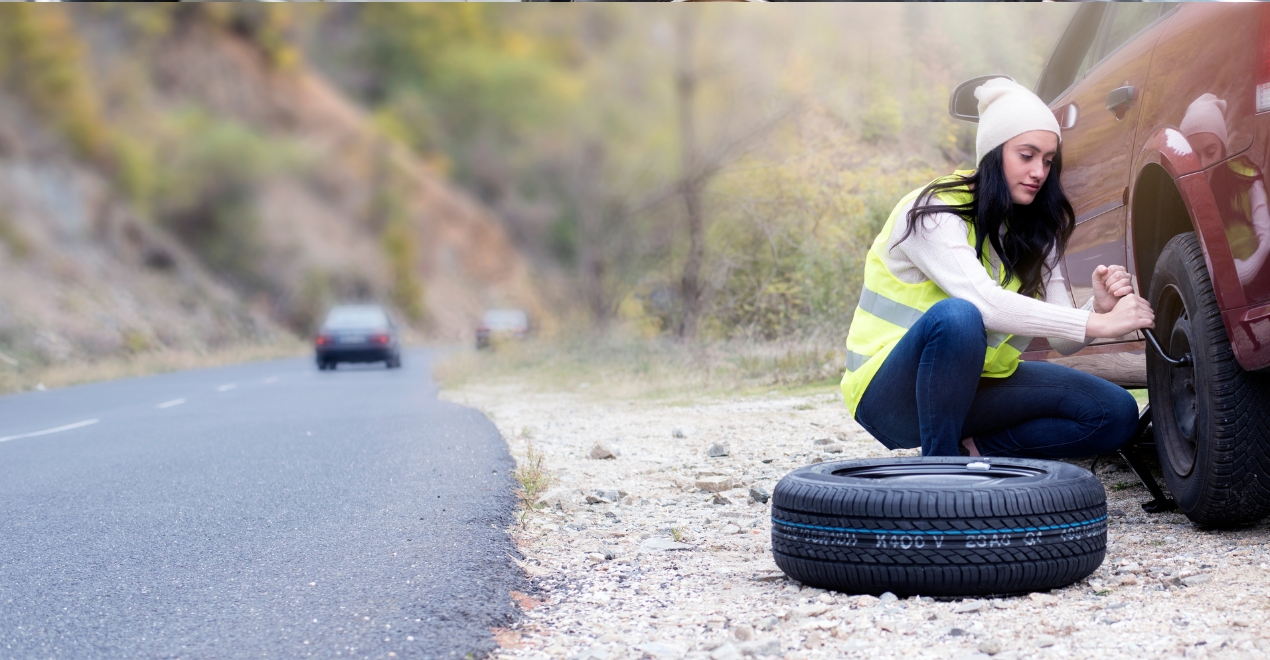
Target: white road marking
(271, 379)
(169, 404)
(227, 387)
(87, 422)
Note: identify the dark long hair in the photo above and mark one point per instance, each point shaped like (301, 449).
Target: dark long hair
(1032, 231)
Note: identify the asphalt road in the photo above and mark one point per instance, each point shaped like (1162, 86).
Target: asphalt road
(261, 510)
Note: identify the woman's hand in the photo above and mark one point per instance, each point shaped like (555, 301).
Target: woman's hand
(1111, 283)
(1131, 312)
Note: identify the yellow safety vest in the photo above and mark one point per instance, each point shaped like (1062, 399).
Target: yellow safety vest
(888, 307)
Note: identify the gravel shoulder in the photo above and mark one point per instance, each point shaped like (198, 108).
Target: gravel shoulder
(662, 551)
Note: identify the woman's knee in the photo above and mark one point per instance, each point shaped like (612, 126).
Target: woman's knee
(959, 317)
(1113, 413)
(1122, 417)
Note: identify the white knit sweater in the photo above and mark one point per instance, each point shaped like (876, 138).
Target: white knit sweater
(940, 251)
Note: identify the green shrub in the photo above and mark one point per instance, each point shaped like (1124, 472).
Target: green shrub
(41, 58)
(11, 235)
(390, 216)
(407, 293)
(206, 193)
(312, 298)
(787, 255)
(881, 118)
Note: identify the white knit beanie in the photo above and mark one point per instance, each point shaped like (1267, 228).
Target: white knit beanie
(1007, 109)
(1206, 114)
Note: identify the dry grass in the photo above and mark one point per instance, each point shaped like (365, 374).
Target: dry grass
(652, 369)
(534, 480)
(22, 377)
(623, 367)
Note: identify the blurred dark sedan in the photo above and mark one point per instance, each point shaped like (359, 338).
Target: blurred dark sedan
(357, 333)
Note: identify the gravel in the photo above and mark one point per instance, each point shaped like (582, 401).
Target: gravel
(680, 575)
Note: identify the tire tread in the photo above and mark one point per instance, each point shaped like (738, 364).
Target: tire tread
(1234, 488)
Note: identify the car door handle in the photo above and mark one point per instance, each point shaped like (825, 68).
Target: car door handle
(1121, 98)
(1067, 116)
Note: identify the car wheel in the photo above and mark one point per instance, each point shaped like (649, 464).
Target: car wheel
(946, 526)
(1210, 417)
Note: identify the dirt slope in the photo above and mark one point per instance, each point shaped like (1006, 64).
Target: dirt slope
(81, 277)
(464, 255)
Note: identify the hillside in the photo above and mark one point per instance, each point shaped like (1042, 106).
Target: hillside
(363, 183)
(81, 277)
(168, 185)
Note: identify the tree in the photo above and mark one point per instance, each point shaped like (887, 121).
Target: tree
(699, 166)
(589, 194)
(690, 184)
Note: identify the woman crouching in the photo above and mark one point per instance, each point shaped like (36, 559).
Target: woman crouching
(963, 274)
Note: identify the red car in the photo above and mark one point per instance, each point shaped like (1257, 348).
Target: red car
(1165, 111)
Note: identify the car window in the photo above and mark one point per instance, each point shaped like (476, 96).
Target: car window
(348, 318)
(1128, 19)
(1075, 53)
(1091, 57)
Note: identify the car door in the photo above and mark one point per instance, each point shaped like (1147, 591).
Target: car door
(1099, 115)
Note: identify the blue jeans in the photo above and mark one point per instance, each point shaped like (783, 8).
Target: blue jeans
(929, 394)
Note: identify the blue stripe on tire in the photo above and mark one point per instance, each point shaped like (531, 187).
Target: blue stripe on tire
(951, 532)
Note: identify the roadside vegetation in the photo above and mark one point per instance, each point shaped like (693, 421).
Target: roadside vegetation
(618, 365)
(533, 477)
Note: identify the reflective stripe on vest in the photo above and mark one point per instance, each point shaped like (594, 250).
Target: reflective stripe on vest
(904, 316)
(889, 310)
(855, 360)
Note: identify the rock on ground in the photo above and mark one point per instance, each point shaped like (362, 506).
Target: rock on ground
(600, 452)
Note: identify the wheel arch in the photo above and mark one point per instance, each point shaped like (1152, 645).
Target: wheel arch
(1155, 196)
(1170, 195)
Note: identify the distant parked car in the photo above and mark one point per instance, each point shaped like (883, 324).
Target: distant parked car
(499, 324)
(357, 333)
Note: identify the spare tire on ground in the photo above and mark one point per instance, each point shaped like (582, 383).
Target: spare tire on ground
(944, 527)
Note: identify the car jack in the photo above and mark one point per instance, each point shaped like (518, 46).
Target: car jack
(1133, 455)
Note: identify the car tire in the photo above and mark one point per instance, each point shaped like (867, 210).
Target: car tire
(1210, 418)
(946, 526)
